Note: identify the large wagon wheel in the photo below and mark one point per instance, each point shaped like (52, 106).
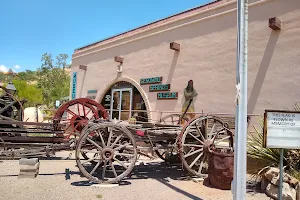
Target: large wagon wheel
(115, 150)
(76, 113)
(197, 137)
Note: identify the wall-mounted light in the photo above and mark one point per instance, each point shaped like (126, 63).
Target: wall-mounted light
(175, 46)
(120, 60)
(274, 23)
(83, 67)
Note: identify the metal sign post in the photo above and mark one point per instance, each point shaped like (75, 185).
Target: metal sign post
(281, 131)
(240, 148)
(281, 175)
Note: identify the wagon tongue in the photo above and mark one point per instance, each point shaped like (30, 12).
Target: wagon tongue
(140, 133)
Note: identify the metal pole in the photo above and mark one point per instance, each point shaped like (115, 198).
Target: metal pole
(281, 175)
(240, 149)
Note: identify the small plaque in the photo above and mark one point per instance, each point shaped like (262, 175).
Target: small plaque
(167, 95)
(152, 80)
(164, 87)
(92, 91)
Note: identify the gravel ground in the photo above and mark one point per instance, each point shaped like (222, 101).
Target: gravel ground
(151, 180)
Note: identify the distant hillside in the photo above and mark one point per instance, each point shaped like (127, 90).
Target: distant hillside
(47, 84)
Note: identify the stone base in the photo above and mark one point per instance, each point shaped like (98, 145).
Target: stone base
(29, 168)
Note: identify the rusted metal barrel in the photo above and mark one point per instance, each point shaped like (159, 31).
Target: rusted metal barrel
(220, 170)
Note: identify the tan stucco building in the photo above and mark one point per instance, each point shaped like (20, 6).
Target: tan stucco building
(207, 36)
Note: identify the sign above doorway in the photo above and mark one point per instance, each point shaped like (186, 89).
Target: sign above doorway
(167, 95)
(91, 94)
(163, 87)
(152, 80)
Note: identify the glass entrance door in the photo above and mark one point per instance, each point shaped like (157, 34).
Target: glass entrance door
(121, 103)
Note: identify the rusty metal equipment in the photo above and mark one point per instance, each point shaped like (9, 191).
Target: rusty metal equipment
(26, 139)
(10, 107)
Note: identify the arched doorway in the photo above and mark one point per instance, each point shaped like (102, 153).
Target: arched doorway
(123, 99)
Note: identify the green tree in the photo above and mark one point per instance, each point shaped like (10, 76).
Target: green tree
(27, 75)
(30, 92)
(53, 79)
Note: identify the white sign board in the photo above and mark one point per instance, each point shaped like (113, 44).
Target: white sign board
(57, 103)
(282, 129)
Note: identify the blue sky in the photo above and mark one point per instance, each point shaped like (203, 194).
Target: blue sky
(29, 28)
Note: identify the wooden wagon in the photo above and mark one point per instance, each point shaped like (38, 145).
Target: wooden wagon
(111, 149)
(106, 151)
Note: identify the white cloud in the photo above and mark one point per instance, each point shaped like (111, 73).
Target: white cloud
(3, 69)
(17, 67)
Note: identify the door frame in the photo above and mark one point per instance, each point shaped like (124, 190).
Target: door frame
(121, 90)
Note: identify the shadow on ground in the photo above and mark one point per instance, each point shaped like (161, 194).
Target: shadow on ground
(160, 171)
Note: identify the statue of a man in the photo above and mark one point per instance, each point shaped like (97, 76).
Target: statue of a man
(189, 98)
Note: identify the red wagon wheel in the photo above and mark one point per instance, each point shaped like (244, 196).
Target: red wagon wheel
(76, 113)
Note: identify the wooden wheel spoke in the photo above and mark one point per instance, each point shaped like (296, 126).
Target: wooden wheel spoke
(74, 114)
(225, 138)
(69, 125)
(116, 140)
(93, 116)
(94, 143)
(110, 136)
(196, 138)
(121, 163)
(200, 133)
(91, 159)
(121, 146)
(83, 108)
(78, 109)
(193, 152)
(101, 138)
(196, 159)
(88, 111)
(192, 145)
(103, 170)
(96, 166)
(206, 129)
(88, 151)
(113, 168)
(212, 130)
(124, 154)
(75, 128)
(202, 163)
